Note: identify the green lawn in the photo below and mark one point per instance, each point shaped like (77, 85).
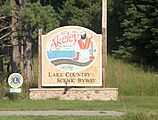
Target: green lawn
(138, 90)
(58, 118)
(125, 103)
(130, 116)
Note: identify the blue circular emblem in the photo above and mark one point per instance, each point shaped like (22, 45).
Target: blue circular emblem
(15, 80)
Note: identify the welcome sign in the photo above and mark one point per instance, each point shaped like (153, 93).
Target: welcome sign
(71, 56)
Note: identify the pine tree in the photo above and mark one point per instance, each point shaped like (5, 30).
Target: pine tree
(140, 32)
(40, 16)
(86, 13)
(116, 13)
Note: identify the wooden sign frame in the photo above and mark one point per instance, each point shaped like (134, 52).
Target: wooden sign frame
(87, 73)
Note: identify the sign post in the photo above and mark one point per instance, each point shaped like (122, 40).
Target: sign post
(104, 40)
(39, 58)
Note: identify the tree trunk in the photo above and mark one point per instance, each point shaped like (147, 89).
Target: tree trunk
(15, 64)
(21, 3)
(1, 59)
(28, 63)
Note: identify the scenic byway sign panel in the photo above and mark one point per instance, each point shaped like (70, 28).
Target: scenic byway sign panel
(71, 56)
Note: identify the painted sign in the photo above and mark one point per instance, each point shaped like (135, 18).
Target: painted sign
(15, 80)
(71, 56)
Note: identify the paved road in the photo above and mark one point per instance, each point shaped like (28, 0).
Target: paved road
(61, 113)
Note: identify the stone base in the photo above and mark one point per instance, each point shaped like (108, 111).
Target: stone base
(104, 94)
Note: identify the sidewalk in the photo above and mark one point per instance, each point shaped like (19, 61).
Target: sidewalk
(61, 113)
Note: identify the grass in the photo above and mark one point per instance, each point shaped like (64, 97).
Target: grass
(130, 116)
(125, 103)
(138, 90)
(59, 118)
(131, 79)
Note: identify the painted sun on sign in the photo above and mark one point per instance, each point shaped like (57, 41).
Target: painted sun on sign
(72, 50)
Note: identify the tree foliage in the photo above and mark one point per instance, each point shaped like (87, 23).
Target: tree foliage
(132, 24)
(116, 13)
(139, 37)
(86, 13)
(41, 17)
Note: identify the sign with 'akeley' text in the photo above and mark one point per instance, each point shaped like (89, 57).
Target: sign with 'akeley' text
(71, 56)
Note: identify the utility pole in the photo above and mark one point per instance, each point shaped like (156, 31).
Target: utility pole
(104, 40)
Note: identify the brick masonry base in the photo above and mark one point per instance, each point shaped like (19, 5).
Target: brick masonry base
(104, 94)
